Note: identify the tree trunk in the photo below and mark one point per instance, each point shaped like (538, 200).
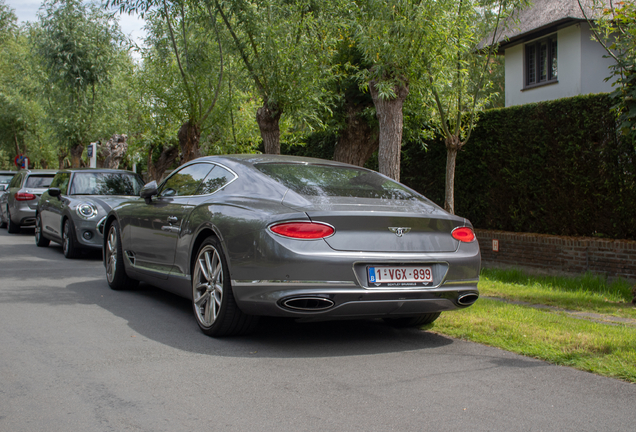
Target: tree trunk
(165, 161)
(76, 155)
(390, 117)
(61, 157)
(358, 141)
(109, 155)
(267, 118)
(189, 136)
(453, 146)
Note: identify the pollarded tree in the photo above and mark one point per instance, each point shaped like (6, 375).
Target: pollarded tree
(455, 69)
(78, 45)
(390, 34)
(185, 57)
(285, 46)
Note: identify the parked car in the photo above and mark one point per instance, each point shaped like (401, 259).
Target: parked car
(5, 179)
(17, 207)
(249, 235)
(73, 209)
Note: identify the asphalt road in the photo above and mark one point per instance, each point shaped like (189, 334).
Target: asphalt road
(77, 356)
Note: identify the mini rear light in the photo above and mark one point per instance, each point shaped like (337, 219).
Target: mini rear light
(24, 196)
(303, 230)
(463, 234)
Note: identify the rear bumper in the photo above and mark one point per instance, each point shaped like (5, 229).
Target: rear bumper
(347, 300)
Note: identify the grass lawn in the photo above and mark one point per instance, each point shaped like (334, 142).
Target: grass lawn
(556, 334)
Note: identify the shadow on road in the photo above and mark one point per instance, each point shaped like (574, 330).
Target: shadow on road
(166, 318)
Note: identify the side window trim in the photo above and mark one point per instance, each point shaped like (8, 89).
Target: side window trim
(235, 176)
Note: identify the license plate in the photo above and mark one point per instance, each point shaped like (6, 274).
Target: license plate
(400, 276)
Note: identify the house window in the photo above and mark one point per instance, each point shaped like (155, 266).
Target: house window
(541, 62)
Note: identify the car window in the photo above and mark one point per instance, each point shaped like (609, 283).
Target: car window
(215, 180)
(6, 178)
(92, 183)
(60, 181)
(186, 181)
(39, 180)
(337, 181)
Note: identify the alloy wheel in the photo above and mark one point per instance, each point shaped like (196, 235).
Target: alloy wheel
(208, 286)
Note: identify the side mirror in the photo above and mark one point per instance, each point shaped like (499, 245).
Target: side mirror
(55, 192)
(148, 191)
(3, 187)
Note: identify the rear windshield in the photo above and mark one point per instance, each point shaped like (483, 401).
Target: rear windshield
(5, 178)
(88, 183)
(335, 181)
(39, 181)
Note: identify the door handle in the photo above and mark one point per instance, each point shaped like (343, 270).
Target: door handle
(173, 219)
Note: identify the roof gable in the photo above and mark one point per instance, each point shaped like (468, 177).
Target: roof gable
(540, 16)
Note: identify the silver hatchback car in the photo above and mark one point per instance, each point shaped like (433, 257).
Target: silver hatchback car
(18, 206)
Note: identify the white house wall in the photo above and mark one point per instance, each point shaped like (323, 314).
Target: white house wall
(594, 68)
(581, 68)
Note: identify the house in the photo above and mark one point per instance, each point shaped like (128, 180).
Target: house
(550, 54)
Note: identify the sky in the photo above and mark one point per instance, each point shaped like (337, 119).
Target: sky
(26, 10)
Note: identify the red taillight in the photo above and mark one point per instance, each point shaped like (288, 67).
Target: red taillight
(24, 196)
(463, 234)
(303, 230)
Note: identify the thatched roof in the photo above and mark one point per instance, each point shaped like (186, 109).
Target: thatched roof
(542, 16)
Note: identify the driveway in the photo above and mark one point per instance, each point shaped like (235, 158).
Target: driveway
(77, 356)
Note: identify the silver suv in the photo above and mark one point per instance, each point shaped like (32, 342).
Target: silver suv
(17, 207)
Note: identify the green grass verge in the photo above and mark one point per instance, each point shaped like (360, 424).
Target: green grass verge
(608, 350)
(587, 293)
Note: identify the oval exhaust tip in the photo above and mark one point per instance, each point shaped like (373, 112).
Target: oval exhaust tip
(308, 304)
(467, 299)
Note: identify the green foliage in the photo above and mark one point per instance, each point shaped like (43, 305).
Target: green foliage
(80, 48)
(615, 29)
(555, 167)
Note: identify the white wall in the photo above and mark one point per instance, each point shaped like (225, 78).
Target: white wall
(581, 68)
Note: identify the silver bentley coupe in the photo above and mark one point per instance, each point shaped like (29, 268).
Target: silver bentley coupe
(244, 236)
(73, 209)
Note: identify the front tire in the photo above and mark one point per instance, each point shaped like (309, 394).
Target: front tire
(114, 257)
(12, 228)
(69, 247)
(412, 321)
(40, 240)
(213, 302)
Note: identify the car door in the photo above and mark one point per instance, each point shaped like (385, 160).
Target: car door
(51, 208)
(155, 227)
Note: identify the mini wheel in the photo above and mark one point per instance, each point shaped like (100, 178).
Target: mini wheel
(115, 271)
(69, 246)
(40, 240)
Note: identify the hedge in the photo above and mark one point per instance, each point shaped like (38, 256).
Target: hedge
(553, 167)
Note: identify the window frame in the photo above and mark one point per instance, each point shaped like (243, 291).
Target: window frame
(536, 44)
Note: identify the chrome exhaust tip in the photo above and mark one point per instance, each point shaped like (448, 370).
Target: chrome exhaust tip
(466, 299)
(308, 304)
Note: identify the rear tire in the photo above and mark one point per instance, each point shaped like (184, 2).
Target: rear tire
(12, 228)
(213, 302)
(412, 321)
(114, 258)
(69, 247)
(40, 240)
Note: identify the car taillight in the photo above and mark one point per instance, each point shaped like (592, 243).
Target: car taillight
(303, 230)
(463, 234)
(24, 196)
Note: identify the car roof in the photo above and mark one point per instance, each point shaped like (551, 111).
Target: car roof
(253, 159)
(97, 170)
(39, 171)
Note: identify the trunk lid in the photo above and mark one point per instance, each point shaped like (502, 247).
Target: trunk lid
(380, 225)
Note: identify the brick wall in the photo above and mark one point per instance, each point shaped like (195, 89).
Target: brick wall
(614, 258)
